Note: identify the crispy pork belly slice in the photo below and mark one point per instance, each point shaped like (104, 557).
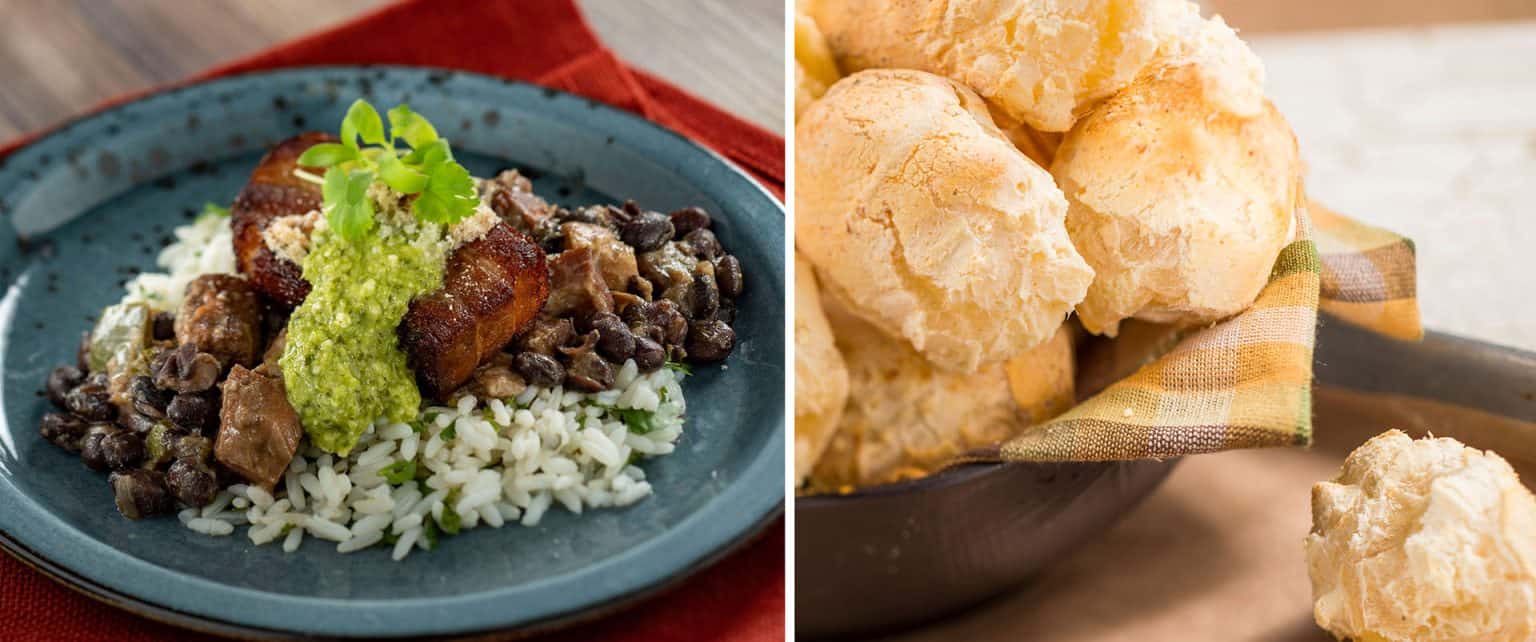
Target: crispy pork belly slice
(274, 192)
(492, 290)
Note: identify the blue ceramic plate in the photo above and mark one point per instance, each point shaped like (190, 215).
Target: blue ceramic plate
(93, 202)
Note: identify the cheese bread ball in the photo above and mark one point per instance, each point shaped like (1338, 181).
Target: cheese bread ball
(1423, 540)
(814, 68)
(906, 419)
(1180, 208)
(1044, 62)
(918, 212)
(821, 380)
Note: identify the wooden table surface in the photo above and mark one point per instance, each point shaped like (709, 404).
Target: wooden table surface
(58, 57)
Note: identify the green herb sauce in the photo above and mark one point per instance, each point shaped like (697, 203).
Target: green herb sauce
(343, 365)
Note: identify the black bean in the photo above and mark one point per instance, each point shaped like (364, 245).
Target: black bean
(614, 340)
(63, 430)
(191, 484)
(635, 314)
(649, 355)
(165, 326)
(646, 232)
(90, 448)
(689, 219)
(147, 399)
(140, 493)
(710, 341)
(91, 400)
(123, 450)
(647, 331)
(185, 369)
(195, 412)
(728, 275)
(588, 372)
(137, 422)
(539, 369)
(701, 243)
(60, 381)
(674, 326)
(703, 298)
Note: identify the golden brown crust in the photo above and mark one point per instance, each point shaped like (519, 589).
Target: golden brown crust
(273, 192)
(1423, 540)
(492, 290)
(920, 214)
(906, 419)
(821, 379)
(1179, 207)
(1043, 63)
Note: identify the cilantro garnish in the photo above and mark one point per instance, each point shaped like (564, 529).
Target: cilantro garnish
(638, 421)
(429, 533)
(399, 472)
(678, 367)
(444, 191)
(448, 433)
(451, 522)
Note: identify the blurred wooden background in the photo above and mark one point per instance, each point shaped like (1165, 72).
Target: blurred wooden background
(58, 57)
(1255, 16)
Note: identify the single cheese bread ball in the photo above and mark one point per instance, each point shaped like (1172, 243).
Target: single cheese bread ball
(814, 68)
(821, 380)
(906, 419)
(921, 215)
(1043, 62)
(1180, 209)
(1423, 540)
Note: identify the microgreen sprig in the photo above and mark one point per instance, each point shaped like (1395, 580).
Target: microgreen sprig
(444, 191)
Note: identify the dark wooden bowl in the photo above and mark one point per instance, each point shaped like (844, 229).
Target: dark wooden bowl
(896, 555)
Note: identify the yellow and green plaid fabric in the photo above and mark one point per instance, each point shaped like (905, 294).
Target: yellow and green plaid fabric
(1245, 382)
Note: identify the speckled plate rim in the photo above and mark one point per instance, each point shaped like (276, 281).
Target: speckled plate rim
(742, 510)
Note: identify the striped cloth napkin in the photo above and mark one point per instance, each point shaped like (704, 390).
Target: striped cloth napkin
(1242, 383)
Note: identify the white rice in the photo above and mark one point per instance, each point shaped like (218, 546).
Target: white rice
(490, 470)
(477, 461)
(202, 247)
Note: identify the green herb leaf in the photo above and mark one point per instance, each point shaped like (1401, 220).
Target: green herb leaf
(638, 421)
(429, 533)
(399, 472)
(399, 176)
(448, 433)
(449, 196)
(348, 209)
(451, 522)
(678, 367)
(362, 120)
(327, 155)
(407, 124)
(214, 209)
(430, 154)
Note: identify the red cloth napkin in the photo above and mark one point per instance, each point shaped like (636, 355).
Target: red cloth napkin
(546, 42)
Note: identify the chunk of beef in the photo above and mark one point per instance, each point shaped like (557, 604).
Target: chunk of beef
(221, 315)
(512, 198)
(577, 287)
(547, 335)
(615, 259)
(258, 429)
